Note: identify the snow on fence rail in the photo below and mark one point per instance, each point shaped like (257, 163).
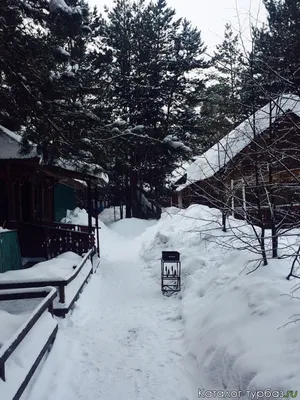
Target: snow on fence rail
(61, 284)
(37, 334)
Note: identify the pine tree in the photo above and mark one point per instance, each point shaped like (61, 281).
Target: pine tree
(21, 61)
(64, 118)
(222, 109)
(277, 49)
(153, 55)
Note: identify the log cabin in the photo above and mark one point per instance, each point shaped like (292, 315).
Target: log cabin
(34, 198)
(254, 171)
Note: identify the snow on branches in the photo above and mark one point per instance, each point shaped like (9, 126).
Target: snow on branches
(174, 143)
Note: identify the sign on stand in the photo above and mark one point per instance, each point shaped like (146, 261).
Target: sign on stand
(170, 272)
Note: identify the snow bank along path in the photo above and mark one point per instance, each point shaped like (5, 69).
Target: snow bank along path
(123, 339)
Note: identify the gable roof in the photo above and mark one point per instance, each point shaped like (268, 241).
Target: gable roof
(10, 146)
(218, 156)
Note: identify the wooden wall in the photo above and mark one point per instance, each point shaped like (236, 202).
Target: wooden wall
(27, 194)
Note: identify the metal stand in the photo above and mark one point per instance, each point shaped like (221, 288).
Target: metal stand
(170, 272)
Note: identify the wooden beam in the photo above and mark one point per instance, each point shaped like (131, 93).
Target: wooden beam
(90, 208)
(97, 221)
(232, 197)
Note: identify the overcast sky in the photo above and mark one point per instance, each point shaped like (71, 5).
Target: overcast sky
(210, 16)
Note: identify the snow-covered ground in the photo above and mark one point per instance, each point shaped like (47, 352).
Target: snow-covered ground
(123, 339)
(225, 331)
(233, 321)
(10, 323)
(111, 214)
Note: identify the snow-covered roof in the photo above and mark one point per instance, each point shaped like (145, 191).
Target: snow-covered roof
(218, 156)
(179, 172)
(10, 146)
(80, 166)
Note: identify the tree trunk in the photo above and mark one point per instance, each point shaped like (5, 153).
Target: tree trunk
(274, 241)
(128, 210)
(262, 246)
(224, 218)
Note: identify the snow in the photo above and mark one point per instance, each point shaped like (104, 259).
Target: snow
(137, 227)
(80, 181)
(10, 145)
(43, 289)
(73, 287)
(111, 214)
(80, 217)
(179, 172)
(10, 323)
(58, 268)
(23, 358)
(69, 166)
(3, 230)
(123, 339)
(233, 322)
(224, 331)
(60, 5)
(11, 134)
(226, 149)
(20, 306)
(173, 142)
(41, 304)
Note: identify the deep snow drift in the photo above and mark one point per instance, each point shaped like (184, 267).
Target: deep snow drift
(233, 321)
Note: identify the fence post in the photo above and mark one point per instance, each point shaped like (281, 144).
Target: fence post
(2, 370)
(97, 221)
(61, 290)
(232, 197)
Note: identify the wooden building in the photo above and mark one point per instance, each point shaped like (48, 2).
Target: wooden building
(254, 171)
(34, 198)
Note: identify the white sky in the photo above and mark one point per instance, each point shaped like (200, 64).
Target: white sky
(210, 16)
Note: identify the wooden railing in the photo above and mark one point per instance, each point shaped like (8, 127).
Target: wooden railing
(71, 227)
(49, 240)
(60, 240)
(59, 283)
(286, 215)
(49, 294)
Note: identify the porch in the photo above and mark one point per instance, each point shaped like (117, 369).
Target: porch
(43, 241)
(266, 203)
(28, 200)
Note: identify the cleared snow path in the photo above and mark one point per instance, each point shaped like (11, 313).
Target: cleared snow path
(122, 341)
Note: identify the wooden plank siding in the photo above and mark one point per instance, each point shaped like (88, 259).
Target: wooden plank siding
(276, 150)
